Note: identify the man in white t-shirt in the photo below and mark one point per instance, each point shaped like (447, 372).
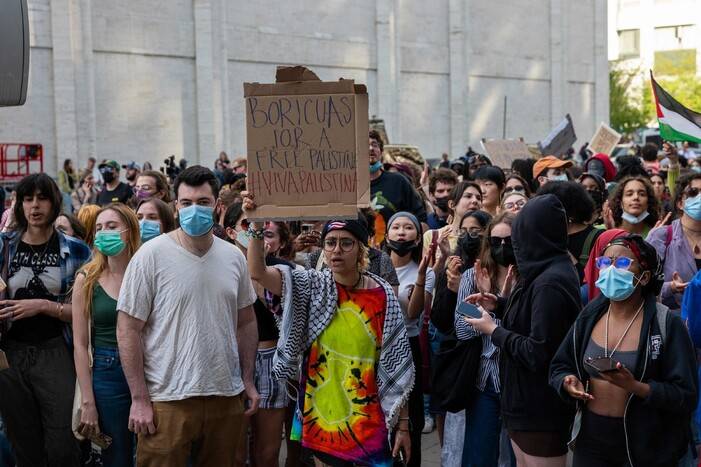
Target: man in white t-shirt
(187, 336)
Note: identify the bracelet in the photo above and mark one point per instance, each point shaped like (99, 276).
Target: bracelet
(403, 431)
(60, 311)
(256, 234)
(419, 285)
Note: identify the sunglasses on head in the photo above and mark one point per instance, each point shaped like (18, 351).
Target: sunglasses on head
(517, 188)
(621, 262)
(494, 242)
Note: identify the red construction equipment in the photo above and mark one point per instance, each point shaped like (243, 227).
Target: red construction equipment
(20, 159)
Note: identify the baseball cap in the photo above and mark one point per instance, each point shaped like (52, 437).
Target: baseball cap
(549, 162)
(131, 165)
(109, 163)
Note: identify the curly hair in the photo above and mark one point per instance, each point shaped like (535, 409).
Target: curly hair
(441, 175)
(616, 200)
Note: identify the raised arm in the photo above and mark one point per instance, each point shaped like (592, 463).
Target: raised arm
(269, 277)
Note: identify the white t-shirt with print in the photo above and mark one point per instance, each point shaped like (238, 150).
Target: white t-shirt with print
(190, 305)
(407, 279)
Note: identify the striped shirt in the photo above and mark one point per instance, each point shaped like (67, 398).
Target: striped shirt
(489, 363)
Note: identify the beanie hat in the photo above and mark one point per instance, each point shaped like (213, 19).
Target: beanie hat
(358, 228)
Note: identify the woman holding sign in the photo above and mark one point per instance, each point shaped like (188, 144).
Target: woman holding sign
(347, 329)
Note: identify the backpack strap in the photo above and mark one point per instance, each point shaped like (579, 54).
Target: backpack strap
(661, 315)
(588, 243)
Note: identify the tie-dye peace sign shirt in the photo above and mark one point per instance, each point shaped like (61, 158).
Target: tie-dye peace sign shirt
(341, 413)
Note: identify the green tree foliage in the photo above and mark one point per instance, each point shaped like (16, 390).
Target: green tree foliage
(685, 88)
(626, 108)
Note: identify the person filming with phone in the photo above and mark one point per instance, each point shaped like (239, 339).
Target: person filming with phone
(630, 366)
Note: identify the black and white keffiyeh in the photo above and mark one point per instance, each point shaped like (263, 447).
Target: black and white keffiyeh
(309, 301)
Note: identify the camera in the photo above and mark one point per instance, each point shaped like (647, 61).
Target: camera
(171, 169)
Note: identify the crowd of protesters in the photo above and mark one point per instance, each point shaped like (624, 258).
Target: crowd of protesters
(530, 314)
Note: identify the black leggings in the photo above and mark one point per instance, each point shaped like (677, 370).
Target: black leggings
(601, 442)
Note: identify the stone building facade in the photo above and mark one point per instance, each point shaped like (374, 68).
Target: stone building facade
(143, 79)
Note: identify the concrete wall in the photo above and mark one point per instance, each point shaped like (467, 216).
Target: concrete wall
(141, 80)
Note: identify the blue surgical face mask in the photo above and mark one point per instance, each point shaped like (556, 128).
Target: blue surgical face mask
(558, 178)
(631, 219)
(696, 169)
(616, 284)
(375, 167)
(196, 220)
(149, 229)
(692, 207)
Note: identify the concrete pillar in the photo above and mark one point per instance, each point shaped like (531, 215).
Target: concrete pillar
(64, 86)
(558, 75)
(224, 78)
(459, 79)
(388, 67)
(647, 34)
(85, 84)
(204, 75)
(601, 64)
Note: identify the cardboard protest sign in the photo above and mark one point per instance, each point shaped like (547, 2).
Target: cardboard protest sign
(604, 140)
(560, 139)
(307, 147)
(503, 151)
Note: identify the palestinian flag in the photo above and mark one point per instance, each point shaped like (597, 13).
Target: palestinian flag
(677, 123)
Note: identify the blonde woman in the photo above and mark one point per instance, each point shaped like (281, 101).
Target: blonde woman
(105, 394)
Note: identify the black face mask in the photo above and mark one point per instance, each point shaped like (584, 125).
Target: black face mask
(108, 177)
(442, 204)
(503, 255)
(597, 196)
(470, 246)
(401, 247)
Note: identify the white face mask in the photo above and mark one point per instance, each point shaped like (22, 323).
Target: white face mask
(558, 178)
(631, 219)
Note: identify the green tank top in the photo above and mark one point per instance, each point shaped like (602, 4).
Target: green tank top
(104, 318)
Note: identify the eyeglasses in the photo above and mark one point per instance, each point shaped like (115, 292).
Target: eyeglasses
(346, 244)
(517, 188)
(512, 204)
(472, 233)
(621, 262)
(495, 242)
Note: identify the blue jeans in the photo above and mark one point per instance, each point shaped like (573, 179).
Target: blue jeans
(482, 429)
(113, 401)
(6, 457)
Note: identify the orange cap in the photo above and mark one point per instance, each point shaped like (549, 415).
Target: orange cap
(549, 162)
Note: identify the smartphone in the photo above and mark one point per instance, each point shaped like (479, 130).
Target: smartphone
(307, 228)
(101, 440)
(601, 364)
(399, 460)
(469, 310)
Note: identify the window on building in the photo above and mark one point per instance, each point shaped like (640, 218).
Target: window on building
(629, 43)
(675, 37)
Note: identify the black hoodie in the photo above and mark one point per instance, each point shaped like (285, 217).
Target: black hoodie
(536, 318)
(656, 428)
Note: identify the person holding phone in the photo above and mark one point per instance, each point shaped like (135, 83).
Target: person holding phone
(493, 273)
(416, 283)
(630, 366)
(344, 328)
(104, 390)
(534, 320)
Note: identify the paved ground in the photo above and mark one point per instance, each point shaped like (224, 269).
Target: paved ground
(430, 451)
